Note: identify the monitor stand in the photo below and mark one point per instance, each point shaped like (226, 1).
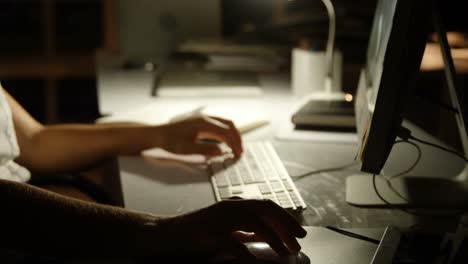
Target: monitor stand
(406, 192)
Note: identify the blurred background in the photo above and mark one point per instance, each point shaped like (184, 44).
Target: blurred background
(49, 48)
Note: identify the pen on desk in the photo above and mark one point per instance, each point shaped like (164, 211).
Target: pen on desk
(183, 116)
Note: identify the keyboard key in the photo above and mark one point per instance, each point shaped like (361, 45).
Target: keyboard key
(283, 198)
(276, 186)
(259, 174)
(298, 204)
(241, 170)
(235, 179)
(221, 180)
(224, 192)
(287, 185)
(293, 195)
(264, 188)
(251, 191)
(237, 190)
(247, 178)
(295, 199)
(282, 195)
(256, 171)
(245, 172)
(258, 177)
(231, 171)
(286, 204)
(248, 155)
(267, 166)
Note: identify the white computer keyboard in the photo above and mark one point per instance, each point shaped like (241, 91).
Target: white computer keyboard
(258, 174)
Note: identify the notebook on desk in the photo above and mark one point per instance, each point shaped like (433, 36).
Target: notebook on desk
(164, 112)
(331, 114)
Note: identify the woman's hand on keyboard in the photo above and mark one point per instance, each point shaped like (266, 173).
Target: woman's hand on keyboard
(223, 227)
(186, 136)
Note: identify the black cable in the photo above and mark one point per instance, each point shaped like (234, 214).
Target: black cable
(408, 211)
(390, 185)
(374, 176)
(390, 205)
(343, 167)
(416, 162)
(353, 235)
(439, 147)
(389, 179)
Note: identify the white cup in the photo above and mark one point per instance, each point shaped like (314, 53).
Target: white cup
(309, 69)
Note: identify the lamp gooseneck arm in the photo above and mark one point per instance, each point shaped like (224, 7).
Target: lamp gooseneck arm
(329, 53)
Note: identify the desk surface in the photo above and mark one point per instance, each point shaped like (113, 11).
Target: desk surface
(160, 188)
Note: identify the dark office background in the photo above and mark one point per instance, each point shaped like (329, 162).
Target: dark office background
(48, 48)
(47, 56)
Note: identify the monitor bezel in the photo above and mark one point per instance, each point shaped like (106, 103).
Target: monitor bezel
(401, 62)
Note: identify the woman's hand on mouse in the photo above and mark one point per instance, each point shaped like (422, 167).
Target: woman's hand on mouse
(183, 136)
(220, 228)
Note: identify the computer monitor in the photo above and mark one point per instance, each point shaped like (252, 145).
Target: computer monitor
(397, 42)
(395, 50)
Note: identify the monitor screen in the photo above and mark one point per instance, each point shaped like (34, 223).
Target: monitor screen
(378, 41)
(396, 45)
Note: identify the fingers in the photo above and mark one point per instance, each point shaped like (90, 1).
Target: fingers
(225, 132)
(272, 238)
(233, 129)
(271, 223)
(288, 240)
(286, 219)
(229, 223)
(240, 250)
(205, 149)
(246, 237)
(285, 225)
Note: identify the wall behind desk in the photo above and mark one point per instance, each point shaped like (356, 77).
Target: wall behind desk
(154, 27)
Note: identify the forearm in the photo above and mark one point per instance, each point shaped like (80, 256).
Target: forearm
(33, 219)
(70, 147)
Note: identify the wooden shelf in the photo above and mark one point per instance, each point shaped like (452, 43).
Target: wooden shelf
(48, 67)
(60, 54)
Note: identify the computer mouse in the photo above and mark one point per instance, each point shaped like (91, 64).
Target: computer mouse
(265, 254)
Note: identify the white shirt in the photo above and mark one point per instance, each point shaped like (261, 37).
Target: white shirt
(9, 149)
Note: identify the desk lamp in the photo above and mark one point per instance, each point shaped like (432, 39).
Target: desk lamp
(329, 52)
(327, 108)
(308, 66)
